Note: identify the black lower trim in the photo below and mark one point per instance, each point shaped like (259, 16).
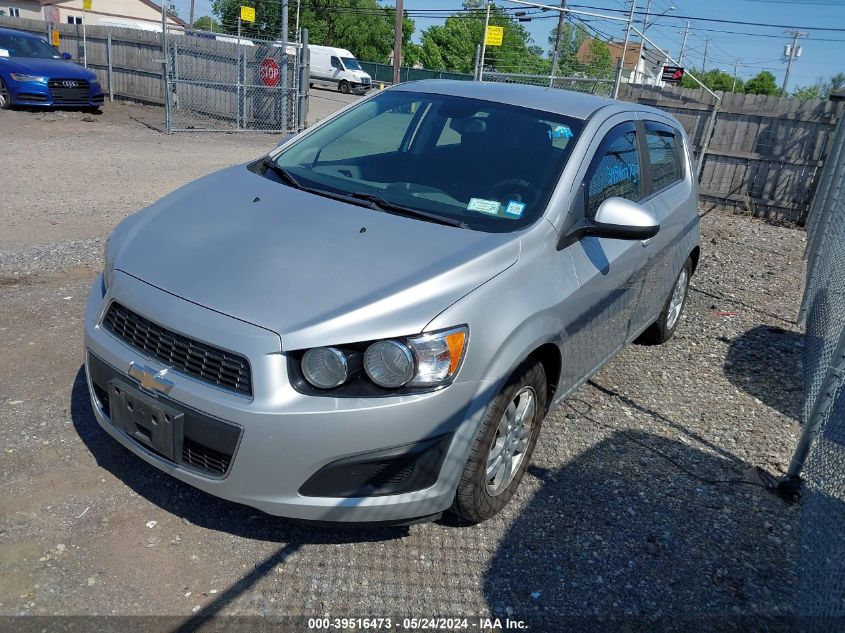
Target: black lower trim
(201, 443)
(387, 472)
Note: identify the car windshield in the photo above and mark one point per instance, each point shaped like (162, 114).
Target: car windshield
(490, 166)
(23, 46)
(350, 63)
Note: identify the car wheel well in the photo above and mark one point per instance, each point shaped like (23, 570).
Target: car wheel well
(548, 355)
(696, 253)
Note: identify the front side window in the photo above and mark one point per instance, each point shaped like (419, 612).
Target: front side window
(615, 171)
(491, 166)
(335, 62)
(664, 156)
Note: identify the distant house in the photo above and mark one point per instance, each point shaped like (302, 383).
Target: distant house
(137, 14)
(642, 65)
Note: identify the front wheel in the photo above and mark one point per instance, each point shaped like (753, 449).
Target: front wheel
(662, 330)
(343, 86)
(503, 447)
(5, 97)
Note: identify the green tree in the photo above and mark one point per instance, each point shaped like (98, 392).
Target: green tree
(599, 61)
(451, 46)
(206, 23)
(837, 81)
(806, 93)
(363, 27)
(571, 39)
(715, 79)
(762, 84)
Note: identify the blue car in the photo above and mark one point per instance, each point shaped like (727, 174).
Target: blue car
(33, 73)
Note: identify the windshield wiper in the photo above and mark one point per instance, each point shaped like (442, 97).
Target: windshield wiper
(281, 172)
(380, 204)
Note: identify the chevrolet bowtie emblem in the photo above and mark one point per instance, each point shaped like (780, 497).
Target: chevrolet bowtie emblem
(150, 379)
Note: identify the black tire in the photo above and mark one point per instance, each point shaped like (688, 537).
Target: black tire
(5, 97)
(474, 502)
(343, 87)
(664, 328)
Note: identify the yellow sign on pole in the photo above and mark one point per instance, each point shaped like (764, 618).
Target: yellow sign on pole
(86, 5)
(247, 14)
(495, 35)
(54, 37)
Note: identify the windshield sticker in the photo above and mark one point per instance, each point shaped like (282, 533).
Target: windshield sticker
(514, 208)
(561, 131)
(4, 52)
(490, 207)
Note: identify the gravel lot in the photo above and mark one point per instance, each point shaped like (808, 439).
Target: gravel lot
(636, 502)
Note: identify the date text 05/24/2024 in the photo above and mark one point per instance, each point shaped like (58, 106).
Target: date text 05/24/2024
(415, 624)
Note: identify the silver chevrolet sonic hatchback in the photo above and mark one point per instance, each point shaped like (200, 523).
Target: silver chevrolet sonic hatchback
(370, 323)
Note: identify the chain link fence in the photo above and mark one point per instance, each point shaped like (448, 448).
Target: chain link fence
(820, 455)
(229, 84)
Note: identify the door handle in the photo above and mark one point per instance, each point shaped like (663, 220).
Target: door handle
(647, 242)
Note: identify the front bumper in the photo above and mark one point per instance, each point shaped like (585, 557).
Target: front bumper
(287, 438)
(30, 93)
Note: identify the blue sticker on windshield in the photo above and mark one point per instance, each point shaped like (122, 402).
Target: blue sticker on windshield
(561, 131)
(514, 209)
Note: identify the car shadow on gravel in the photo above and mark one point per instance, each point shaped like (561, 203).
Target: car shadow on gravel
(198, 507)
(641, 526)
(766, 362)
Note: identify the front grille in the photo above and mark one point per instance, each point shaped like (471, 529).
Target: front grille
(184, 354)
(69, 90)
(204, 458)
(365, 80)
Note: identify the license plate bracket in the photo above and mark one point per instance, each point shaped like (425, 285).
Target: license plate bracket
(146, 419)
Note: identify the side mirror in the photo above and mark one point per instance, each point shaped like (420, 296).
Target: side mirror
(66, 56)
(616, 218)
(622, 219)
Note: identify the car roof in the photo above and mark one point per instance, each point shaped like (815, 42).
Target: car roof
(22, 33)
(566, 102)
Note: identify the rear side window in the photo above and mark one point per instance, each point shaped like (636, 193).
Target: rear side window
(615, 171)
(665, 155)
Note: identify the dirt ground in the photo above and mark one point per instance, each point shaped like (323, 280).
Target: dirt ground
(638, 501)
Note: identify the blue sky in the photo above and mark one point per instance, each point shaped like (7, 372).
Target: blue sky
(820, 57)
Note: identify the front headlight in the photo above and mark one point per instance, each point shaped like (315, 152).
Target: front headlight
(427, 361)
(28, 78)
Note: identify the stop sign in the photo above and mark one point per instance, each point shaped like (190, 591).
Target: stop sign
(269, 72)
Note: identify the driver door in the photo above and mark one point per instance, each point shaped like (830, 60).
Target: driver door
(609, 271)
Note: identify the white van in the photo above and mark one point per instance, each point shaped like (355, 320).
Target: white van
(337, 67)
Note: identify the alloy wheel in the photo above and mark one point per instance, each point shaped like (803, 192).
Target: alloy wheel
(511, 441)
(677, 302)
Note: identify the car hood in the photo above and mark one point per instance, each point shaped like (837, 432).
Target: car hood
(314, 270)
(57, 68)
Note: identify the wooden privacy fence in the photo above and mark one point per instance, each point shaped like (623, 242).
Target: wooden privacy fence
(765, 153)
(128, 62)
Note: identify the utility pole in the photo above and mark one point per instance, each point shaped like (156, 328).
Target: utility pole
(792, 51)
(484, 43)
(684, 45)
(621, 65)
(736, 74)
(283, 74)
(556, 54)
(191, 16)
(397, 41)
(704, 61)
